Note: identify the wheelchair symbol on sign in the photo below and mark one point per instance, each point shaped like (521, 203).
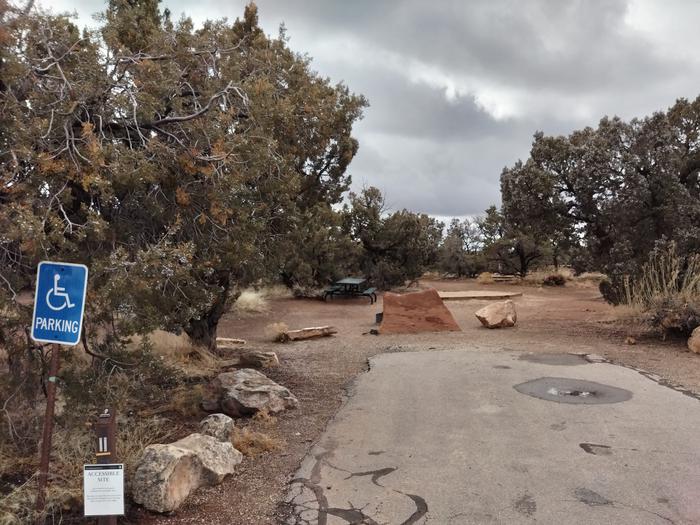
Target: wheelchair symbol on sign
(56, 292)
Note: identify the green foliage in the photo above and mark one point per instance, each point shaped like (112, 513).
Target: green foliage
(172, 160)
(509, 246)
(396, 247)
(317, 251)
(461, 250)
(608, 194)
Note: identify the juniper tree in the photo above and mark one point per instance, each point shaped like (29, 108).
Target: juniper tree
(172, 159)
(615, 190)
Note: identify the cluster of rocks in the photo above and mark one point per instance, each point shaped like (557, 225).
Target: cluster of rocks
(168, 473)
(498, 315)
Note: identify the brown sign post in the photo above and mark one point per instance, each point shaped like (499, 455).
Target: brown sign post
(106, 434)
(47, 433)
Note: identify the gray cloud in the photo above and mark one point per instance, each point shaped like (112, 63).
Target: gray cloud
(458, 88)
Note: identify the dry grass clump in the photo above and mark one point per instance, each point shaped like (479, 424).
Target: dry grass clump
(257, 300)
(549, 275)
(485, 278)
(264, 418)
(253, 443)
(667, 291)
(251, 302)
(277, 291)
(595, 277)
(186, 401)
(162, 343)
(277, 331)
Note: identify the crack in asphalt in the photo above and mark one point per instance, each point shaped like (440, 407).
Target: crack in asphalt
(352, 515)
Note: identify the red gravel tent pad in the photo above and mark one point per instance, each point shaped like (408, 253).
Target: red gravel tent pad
(416, 312)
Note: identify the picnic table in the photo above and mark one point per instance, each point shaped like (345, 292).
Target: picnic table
(351, 287)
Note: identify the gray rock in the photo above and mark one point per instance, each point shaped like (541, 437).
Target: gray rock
(218, 458)
(165, 476)
(259, 359)
(246, 391)
(498, 315)
(218, 426)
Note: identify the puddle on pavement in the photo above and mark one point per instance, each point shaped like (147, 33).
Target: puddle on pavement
(573, 391)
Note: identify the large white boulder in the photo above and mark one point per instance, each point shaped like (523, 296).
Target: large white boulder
(165, 476)
(498, 315)
(244, 392)
(694, 341)
(218, 458)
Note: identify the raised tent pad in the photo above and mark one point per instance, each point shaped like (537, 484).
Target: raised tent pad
(477, 295)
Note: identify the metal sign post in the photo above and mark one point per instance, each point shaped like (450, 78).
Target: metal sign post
(47, 432)
(59, 306)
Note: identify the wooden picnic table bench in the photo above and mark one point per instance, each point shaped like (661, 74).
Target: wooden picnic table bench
(351, 287)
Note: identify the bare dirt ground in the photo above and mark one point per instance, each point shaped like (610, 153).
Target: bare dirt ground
(569, 319)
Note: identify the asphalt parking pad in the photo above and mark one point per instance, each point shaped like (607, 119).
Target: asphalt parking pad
(442, 437)
(573, 391)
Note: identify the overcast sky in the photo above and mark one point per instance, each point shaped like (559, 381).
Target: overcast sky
(457, 87)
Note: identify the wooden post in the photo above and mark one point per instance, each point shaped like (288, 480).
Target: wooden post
(106, 433)
(47, 434)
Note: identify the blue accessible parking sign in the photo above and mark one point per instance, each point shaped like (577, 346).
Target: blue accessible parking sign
(59, 302)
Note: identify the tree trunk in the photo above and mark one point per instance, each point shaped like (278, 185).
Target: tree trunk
(202, 331)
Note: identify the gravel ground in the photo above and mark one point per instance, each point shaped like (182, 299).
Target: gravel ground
(320, 372)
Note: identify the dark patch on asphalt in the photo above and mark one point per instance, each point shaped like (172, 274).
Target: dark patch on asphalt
(502, 367)
(375, 452)
(558, 426)
(573, 391)
(526, 505)
(591, 498)
(555, 359)
(352, 515)
(376, 474)
(421, 508)
(355, 516)
(596, 450)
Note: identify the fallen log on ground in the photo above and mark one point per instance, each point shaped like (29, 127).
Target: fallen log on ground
(228, 342)
(307, 333)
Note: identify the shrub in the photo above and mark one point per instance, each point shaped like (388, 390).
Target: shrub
(554, 279)
(251, 302)
(485, 278)
(667, 290)
(253, 443)
(276, 331)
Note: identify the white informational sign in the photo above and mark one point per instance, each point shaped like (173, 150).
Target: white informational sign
(103, 490)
